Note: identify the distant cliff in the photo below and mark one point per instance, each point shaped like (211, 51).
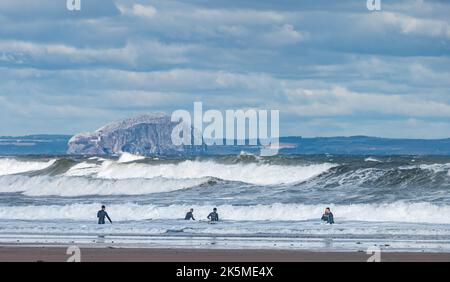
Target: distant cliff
(146, 135)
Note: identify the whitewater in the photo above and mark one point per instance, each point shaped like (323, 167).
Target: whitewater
(392, 198)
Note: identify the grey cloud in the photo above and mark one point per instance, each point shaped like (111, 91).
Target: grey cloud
(333, 65)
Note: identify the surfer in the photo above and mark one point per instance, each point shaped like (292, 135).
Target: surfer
(328, 216)
(190, 215)
(213, 216)
(101, 214)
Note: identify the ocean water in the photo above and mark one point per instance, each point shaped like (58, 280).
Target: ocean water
(396, 203)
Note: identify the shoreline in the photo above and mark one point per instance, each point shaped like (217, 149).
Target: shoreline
(203, 242)
(89, 253)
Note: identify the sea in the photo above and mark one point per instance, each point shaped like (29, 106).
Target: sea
(394, 203)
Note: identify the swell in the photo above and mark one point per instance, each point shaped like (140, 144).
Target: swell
(429, 176)
(134, 176)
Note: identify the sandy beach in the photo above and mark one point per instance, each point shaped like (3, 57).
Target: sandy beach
(58, 254)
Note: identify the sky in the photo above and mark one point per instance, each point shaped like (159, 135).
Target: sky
(332, 68)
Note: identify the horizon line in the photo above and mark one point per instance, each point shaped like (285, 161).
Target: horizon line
(287, 136)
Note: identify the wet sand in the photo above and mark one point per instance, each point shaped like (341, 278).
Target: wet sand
(58, 254)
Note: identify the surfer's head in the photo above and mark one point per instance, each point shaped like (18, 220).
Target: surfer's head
(214, 209)
(103, 207)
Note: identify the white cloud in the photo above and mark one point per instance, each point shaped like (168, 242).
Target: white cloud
(412, 25)
(283, 35)
(141, 99)
(134, 53)
(241, 16)
(242, 26)
(338, 101)
(420, 8)
(171, 53)
(290, 95)
(144, 10)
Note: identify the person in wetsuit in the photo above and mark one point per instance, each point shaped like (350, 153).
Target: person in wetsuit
(101, 214)
(328, 216)
(190, 215)
(214, 216)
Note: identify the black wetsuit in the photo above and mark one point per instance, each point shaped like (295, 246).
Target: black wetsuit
(189, 216)
(328, 218)
(101, 217)
(214, 216)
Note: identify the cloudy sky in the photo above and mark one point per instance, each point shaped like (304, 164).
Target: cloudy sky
(330, 67)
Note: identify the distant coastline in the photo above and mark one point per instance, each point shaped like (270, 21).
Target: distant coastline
(353, 145)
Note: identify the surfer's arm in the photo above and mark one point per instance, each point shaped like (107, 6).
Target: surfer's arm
(107, 216)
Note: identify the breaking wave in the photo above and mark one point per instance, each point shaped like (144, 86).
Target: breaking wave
(81, 186)
(135, 176)
(127, 158)
(253, 173)
(13, 166)
(392, 212)
(371, 159)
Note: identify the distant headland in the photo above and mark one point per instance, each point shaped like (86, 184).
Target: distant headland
(149, 135)
(353, 145)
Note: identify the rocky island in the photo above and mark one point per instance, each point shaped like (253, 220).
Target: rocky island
(145, 135)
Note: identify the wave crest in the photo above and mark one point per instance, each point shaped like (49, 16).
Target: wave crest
(253, 173)
(12, 166)
(82, 186)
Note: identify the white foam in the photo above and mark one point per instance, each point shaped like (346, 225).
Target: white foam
(127, 158)
(360, 176)
(12, 166)
(254, 173)
(244, 154)
(113, 178)
(97, 159)
(80, 186)
(371, 159)
(436, 168)
(394, 212)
